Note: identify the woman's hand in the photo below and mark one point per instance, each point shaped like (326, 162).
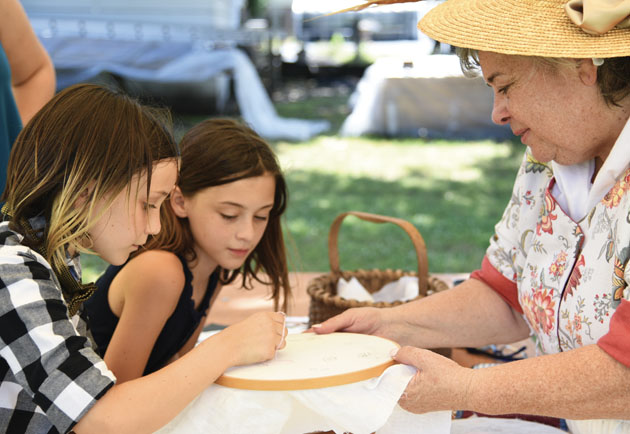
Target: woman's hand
(439, 384)
(256, 338)
(366, 320)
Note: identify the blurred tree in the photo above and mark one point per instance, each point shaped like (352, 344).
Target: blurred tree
(257, 8)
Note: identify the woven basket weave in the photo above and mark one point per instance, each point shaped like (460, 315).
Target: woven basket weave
(325, 302)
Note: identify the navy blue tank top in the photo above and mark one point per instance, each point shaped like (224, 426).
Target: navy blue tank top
(178, 328)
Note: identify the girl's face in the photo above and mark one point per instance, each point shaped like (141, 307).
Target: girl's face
(132, 217)
(558, 114)
(227, 221)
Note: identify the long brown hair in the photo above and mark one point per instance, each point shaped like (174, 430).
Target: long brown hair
(217, 152)
(87, 135)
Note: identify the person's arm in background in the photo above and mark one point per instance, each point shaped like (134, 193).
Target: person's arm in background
(32, 71)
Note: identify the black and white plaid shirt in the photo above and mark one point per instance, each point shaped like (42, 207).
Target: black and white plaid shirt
(50, 374)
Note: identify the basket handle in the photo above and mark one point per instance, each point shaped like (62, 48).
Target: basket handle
(416, 238)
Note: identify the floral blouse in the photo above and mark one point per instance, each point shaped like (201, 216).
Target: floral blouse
(568, 279)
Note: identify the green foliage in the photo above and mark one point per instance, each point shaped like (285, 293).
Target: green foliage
(92, 267)
(332, 108)
(257, 8)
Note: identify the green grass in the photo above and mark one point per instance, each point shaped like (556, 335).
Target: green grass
(92, 267)
(454, 192)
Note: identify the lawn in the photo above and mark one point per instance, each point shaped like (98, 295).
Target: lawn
(452, 191)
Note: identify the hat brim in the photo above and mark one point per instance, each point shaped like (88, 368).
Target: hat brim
(519, 27)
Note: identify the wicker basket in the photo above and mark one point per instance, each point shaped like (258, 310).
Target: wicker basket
(325, 302)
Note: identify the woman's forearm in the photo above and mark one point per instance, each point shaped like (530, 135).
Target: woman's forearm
(470, 314)
(585, 383)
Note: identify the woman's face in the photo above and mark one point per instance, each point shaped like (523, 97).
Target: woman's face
(132, 216)
(227, 221)
(559, 113)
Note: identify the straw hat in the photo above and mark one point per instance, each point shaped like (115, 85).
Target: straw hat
(547, 28)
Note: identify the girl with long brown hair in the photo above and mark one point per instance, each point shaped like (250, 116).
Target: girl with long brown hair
(222, 224)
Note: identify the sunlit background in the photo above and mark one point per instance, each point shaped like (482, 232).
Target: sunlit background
(364, 112)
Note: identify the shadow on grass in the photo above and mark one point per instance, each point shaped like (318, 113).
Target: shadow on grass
(455, 218)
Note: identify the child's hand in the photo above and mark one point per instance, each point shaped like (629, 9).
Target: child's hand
(256, 338)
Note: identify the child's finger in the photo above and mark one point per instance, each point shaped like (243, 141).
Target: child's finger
(282, 343)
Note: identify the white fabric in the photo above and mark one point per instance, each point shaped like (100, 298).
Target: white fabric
(573, 188)
(352, 290)
(573, 184)
(403, 422)
(361, 408)
(493, 425)
(426, 96)
(599, 426)
(403, 289)
(257, 109)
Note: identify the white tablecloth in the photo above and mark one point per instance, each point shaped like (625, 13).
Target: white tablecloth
(424, 96)
(361, 408)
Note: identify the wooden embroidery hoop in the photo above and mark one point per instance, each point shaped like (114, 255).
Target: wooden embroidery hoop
(311, 361)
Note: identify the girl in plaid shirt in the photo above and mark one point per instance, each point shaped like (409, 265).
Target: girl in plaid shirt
(89, 173)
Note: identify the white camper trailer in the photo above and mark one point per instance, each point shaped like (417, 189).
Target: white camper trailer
(164, 47)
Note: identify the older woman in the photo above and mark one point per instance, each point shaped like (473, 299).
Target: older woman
(557, 266)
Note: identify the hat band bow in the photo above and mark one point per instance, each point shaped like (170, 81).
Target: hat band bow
(596, 17)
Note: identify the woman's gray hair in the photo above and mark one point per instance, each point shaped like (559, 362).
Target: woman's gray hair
(613, 76)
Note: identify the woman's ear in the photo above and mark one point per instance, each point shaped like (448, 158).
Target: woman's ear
(587, 72)
(178, 203)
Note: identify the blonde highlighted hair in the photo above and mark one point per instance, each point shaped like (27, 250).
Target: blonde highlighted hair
(85, 145)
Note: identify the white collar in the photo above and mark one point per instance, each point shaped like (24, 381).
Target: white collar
(573, 189)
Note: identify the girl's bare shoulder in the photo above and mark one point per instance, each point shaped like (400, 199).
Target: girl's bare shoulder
(156, 272)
